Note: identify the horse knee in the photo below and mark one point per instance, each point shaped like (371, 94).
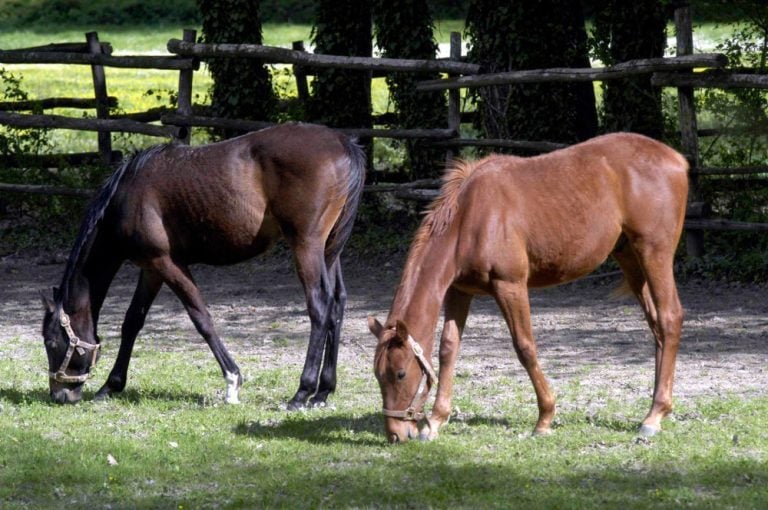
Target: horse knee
(526, 352)
(670, 322)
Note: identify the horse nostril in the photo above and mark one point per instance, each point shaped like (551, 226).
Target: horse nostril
(394, 439)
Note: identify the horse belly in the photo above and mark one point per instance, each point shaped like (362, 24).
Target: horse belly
(238, 241)
(571, 256)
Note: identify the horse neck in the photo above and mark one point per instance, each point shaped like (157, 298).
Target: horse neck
(85, 286)
(427, 276)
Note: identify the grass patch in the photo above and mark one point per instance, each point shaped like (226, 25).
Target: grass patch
(169, 441)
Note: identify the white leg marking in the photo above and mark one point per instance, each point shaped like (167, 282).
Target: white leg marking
(233, 388)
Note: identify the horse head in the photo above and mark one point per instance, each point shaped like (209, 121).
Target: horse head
(70, 357)
(405, 376)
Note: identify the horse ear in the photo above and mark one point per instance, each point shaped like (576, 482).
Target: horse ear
(401, 330)
(48, 303)
(375, 326)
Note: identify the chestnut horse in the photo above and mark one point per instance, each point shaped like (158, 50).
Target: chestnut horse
(505, 224)
(172, 206)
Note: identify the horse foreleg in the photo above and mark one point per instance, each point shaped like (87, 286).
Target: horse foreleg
(456, 307)
(512, 298)
(313, 273)
(327, 384)
(146, 290)
(183, 285)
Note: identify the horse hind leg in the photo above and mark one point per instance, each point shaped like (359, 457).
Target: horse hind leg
(651, 274)
(183, 285)
(146, 290)
(318, 289)
(327, 382)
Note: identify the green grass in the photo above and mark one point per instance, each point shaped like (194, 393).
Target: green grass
(169, 442)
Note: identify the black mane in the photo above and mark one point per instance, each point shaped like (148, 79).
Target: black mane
(95, 212)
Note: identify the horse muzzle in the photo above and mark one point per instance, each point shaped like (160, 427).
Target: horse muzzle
(400, 431)
(64, 395)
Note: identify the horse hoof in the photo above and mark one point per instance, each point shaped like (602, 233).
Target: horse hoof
(102, 395)
(542, 432)
(425, 436)
(648, 430)
(316, 403)
(295, 406)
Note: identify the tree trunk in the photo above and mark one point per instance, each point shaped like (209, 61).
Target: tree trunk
(631, 104)
(242, 88)
(404, 29)
(532, 34)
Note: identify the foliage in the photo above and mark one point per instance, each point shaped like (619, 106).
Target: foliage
(738, 255)
(242, 88)
(18, 142)
(15, 13)
(532, 35)
(392, 19)
(630, 104)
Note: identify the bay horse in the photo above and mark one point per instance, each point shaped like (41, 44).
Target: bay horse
(172, 206)
(505, 224)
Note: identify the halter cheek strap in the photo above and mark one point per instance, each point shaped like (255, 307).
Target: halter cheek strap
(415, 412)
(74, 344)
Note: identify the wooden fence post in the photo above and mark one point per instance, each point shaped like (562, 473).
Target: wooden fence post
(184, 99)
(300, 75)
(102, 100)
(694, 238)
(454, 95)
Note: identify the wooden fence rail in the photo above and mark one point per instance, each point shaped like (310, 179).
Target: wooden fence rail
(302, 58)
(623, 70)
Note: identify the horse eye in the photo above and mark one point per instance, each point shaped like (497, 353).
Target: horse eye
(400, 375)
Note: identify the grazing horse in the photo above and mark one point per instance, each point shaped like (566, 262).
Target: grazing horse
(171, 206)
(505, 224)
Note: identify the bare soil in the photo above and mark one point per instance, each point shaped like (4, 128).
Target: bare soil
(584, 336)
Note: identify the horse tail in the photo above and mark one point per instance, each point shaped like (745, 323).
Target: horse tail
(98, 207)
(342, 229)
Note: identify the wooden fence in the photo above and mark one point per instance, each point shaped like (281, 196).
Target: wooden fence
(185, 55)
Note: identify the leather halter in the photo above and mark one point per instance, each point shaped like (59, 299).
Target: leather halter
(74, 344)
(415, 412)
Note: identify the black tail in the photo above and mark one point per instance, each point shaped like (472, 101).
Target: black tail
(355, 182)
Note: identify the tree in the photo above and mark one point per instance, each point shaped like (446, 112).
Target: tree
(242, 88)
(532, 34)
(631, 104)
(342, 97)
(404, 29)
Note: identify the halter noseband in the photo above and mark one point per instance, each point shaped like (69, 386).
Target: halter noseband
(74, 343)
(414, 412)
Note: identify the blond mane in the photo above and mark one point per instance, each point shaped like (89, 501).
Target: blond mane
(438, 216)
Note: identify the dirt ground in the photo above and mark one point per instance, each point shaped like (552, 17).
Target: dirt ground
(584, 336)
